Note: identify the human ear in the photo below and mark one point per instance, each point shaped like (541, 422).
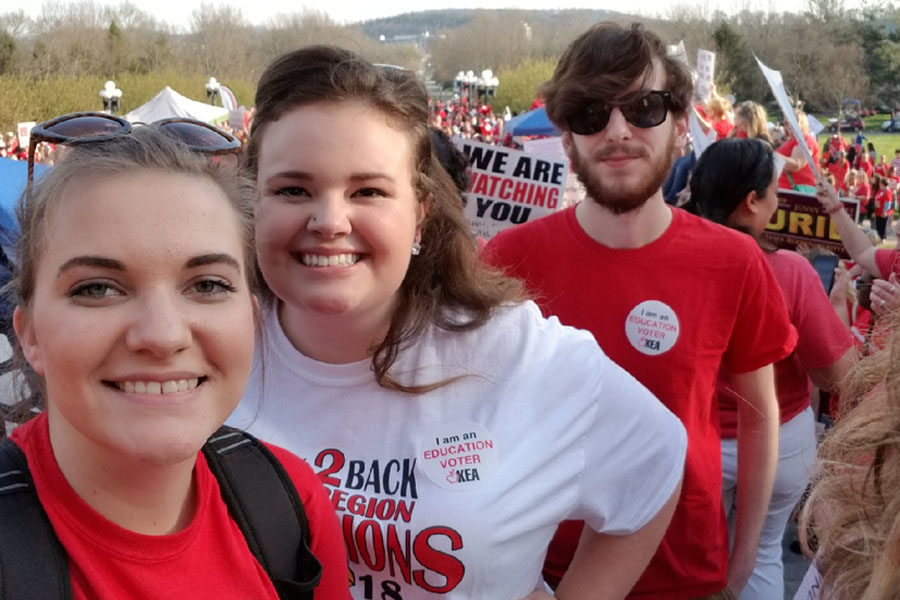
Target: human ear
(24, 329)
(421, 213)
(567, 143)
(751, 202)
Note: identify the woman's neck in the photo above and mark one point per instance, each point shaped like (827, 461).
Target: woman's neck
(335, 339)
(146, 498)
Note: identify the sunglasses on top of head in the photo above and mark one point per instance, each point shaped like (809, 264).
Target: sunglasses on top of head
(649, 110)
(80, 128)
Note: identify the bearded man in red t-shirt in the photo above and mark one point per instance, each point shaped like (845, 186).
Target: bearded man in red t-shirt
(670, 297)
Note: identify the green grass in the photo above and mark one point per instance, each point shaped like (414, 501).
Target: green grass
(885, 143)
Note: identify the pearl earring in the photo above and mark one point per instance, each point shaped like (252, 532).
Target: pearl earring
(416, 248)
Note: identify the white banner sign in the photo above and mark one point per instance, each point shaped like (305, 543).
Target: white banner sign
(776, 83)
(678, 52)
(551, 147)
(509, 187)
(699, 138)
(706, 69)
(24, 132)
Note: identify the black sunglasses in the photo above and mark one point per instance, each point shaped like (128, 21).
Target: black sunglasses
(80, 128)
(647, 111)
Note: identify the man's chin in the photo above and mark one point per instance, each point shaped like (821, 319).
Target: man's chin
(620, 205)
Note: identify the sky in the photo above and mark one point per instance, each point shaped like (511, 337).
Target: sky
(178, 12)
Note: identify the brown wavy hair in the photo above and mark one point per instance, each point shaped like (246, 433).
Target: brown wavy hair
(446, 285)
(605, 61)
(854, 507)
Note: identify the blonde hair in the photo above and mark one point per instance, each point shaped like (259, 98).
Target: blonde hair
(804, 122)
(718, 106)
(854, 507)
(754, 116)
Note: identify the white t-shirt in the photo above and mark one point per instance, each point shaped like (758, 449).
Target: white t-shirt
(455, 493)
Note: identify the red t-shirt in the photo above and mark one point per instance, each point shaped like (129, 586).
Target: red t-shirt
(805, 175)
(722, 128)
(888, 261)
(671, 313)
(209, 558)
(821, 339)
(840, 174)
(866, 167)
(863, 191)
(838, 143)
(884, 202)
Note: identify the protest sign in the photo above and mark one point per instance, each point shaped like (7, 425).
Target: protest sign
(23, 130)
(706, 68)
(677, 52)
(509, 187)
(776, 84)
(552, 148)
(699, 139)
(800, 219)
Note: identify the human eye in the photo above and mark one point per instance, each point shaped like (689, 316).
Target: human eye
(94, 291)
(371, 192)
(210, 287)
(291, 191)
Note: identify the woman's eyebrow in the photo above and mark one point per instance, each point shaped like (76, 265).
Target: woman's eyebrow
(211, 259)
(91, 261)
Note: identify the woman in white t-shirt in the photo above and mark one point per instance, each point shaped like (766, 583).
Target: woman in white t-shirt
(454, 426)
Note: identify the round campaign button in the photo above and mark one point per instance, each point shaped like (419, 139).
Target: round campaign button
(458, 456)
(652, 327)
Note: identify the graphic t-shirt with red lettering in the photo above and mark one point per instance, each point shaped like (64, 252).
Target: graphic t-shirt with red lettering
(671, 313)
(456, 493)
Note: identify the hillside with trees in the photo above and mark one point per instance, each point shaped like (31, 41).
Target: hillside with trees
(59, 61)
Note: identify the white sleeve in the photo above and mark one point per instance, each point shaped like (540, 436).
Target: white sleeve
(634, 455)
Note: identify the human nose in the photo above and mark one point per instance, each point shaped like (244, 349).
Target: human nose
(617, 128)
(330, 217)
(159, 326)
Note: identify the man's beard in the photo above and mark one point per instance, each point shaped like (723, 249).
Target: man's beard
(619, 198)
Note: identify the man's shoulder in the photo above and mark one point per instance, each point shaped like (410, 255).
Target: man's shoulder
(552, 226)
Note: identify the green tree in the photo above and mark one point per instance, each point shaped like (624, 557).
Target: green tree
(518, 85)
(736, 68)
(7, 51)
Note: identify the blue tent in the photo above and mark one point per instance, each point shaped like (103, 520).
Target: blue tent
(533, 122)
(13, 177)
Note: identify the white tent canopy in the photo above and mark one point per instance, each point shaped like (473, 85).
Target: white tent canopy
(169, 103)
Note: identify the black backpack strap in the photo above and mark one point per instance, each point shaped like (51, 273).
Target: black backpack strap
(33, 563)
(264, 503)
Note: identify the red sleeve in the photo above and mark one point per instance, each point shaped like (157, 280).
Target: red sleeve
(762, 332)
(888, 261)
(821, 336)
(786, 148)
(324, 529)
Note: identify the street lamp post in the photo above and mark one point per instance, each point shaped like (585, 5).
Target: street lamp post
(487, 85)
(111, 96)
(212, 90)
